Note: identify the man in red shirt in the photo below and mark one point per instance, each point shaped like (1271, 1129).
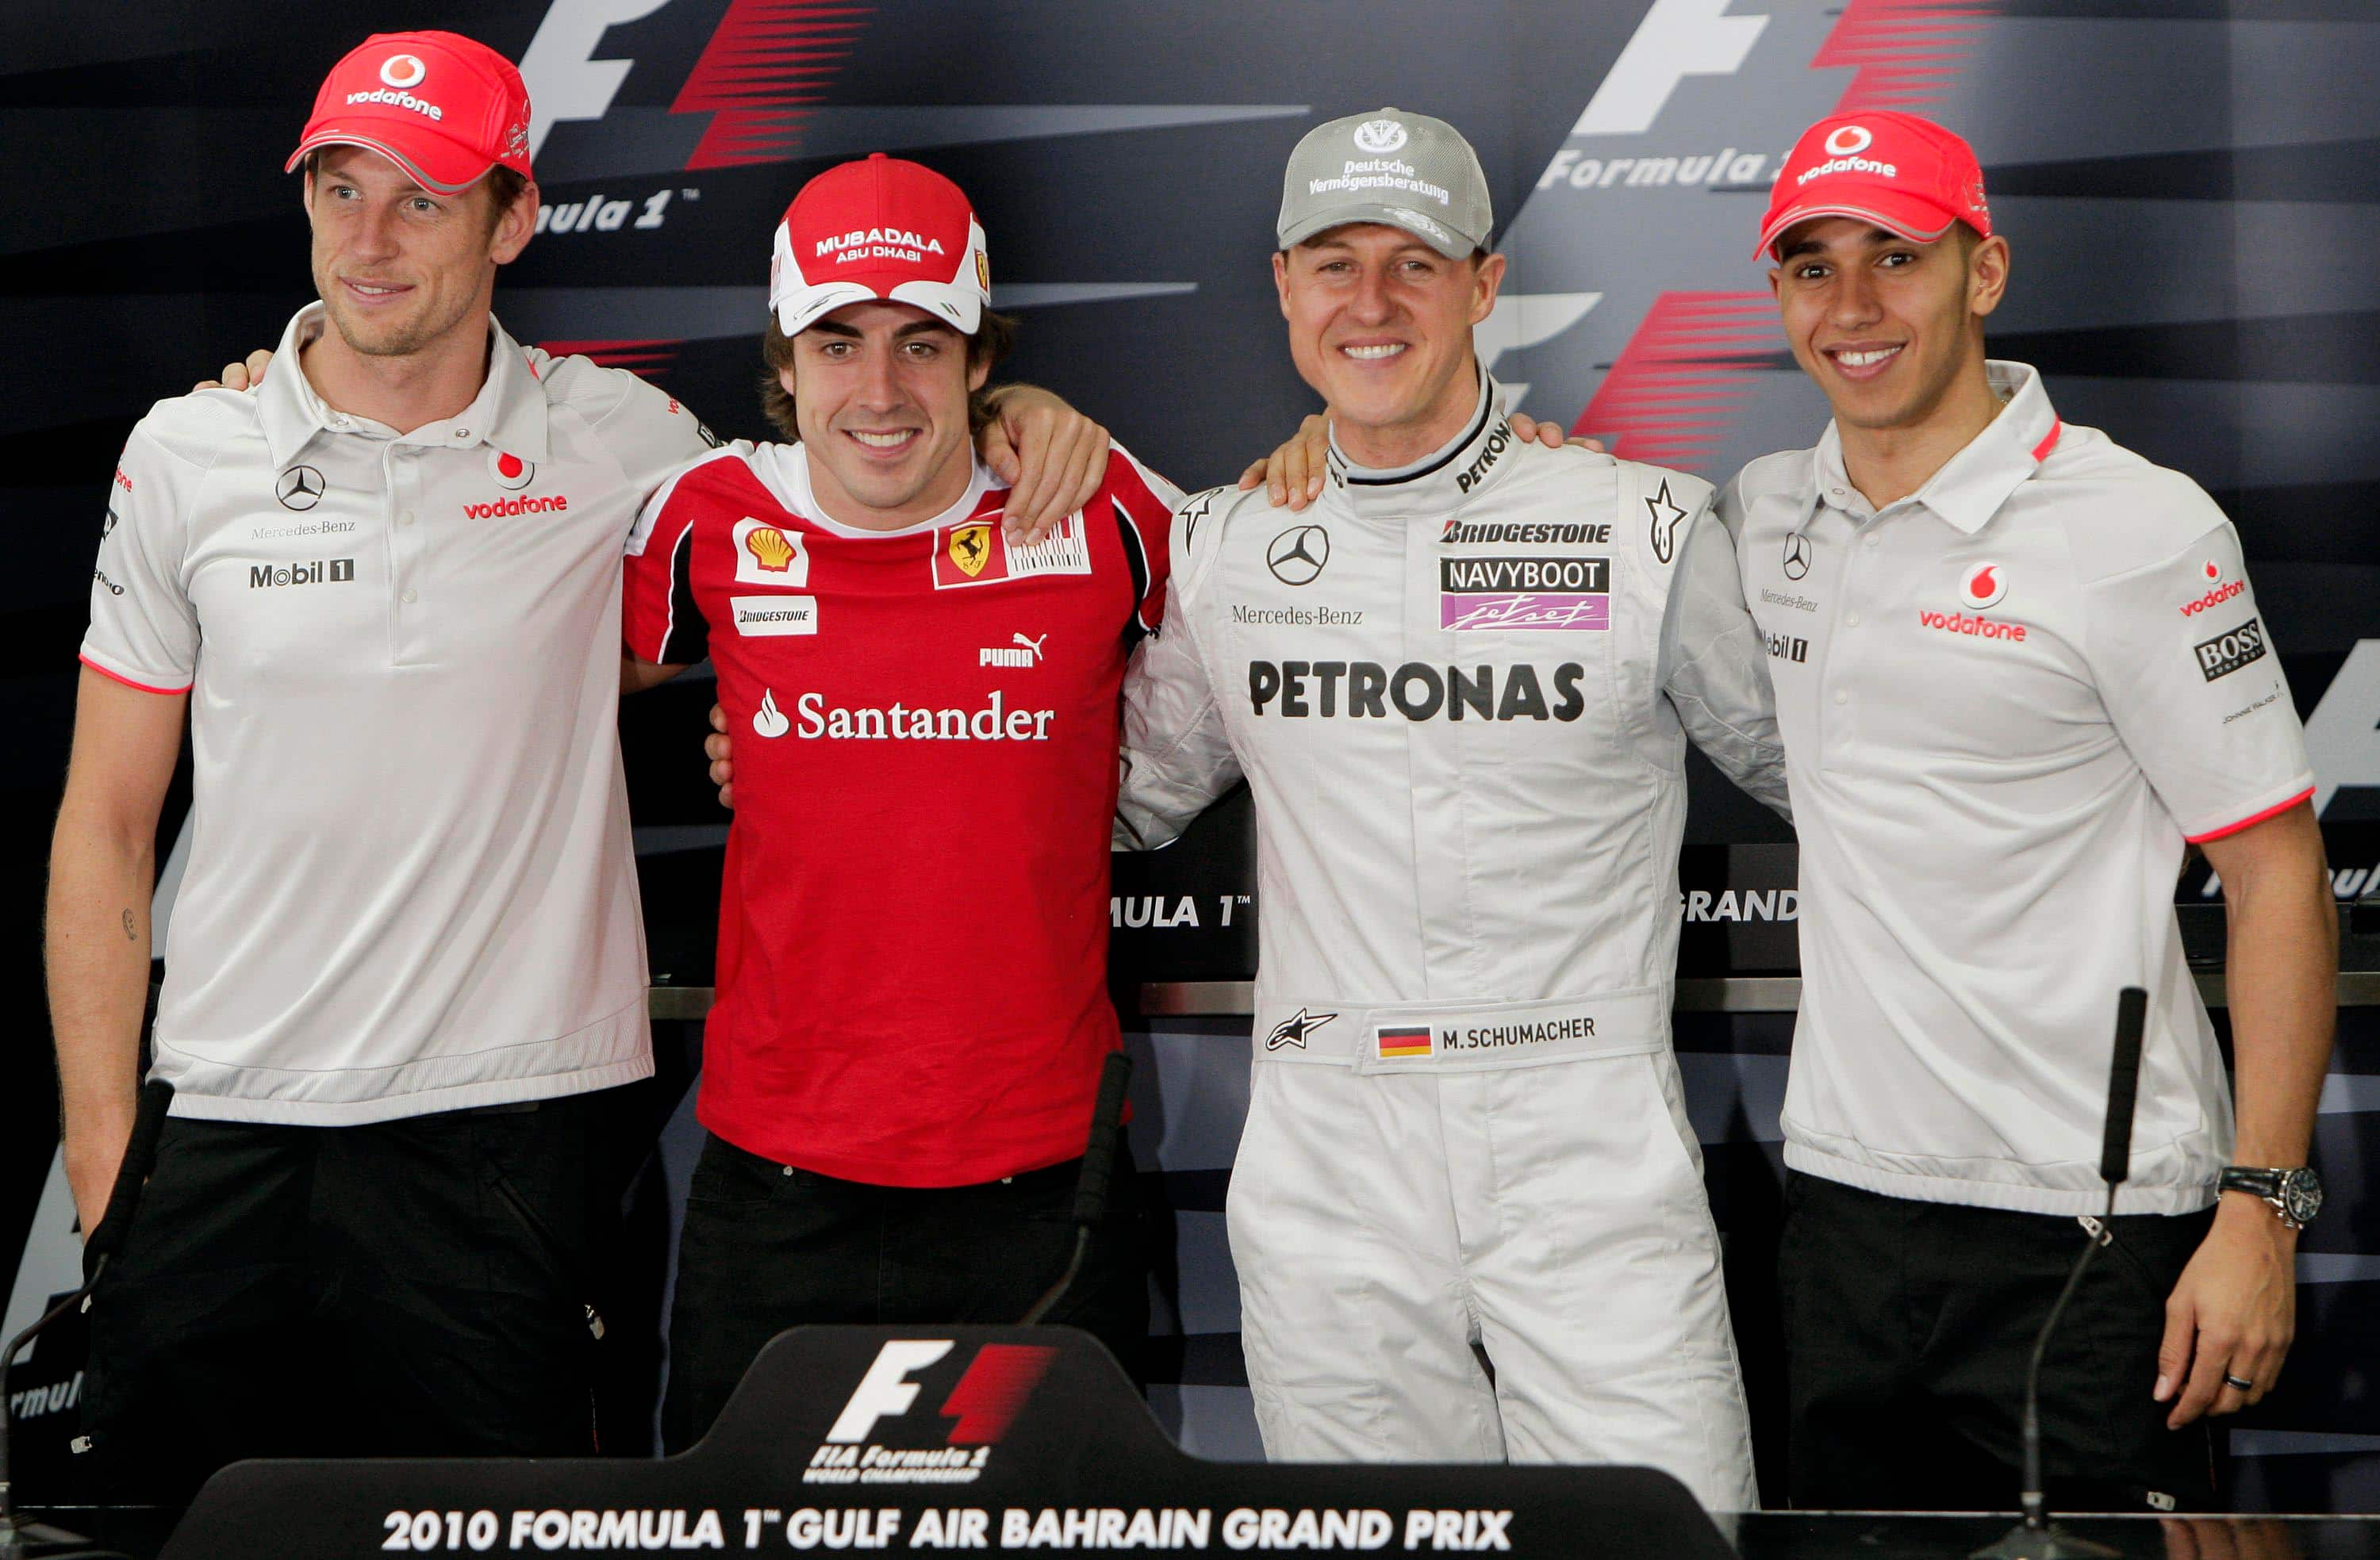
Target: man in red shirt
(912, 1011)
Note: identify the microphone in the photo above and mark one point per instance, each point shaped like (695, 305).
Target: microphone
(1093, 1182)
(140, 1159)
(2036, 1538)
(2123, 1087)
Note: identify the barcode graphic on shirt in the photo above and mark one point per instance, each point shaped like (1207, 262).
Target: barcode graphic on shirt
(1067, 551)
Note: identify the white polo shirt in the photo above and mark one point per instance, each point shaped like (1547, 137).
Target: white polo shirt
(2006, 701)
(410, 884)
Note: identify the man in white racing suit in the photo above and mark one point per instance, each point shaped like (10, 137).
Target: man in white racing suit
(1458, 685)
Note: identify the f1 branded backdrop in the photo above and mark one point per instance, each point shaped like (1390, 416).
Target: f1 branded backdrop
(2193, 188)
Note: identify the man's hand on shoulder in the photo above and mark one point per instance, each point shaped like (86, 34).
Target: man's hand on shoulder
(1292, 475)
(720, 748)
(1052, 457)
(245, 375)
(1550, 435)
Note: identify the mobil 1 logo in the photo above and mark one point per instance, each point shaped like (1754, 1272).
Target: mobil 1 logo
(2230, 650)
(316, 571)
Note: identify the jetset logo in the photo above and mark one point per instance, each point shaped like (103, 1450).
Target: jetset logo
(981, 1407)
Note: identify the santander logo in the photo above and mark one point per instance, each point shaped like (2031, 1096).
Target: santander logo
(1983, 587)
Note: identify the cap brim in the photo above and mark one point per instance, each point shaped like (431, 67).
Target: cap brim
(959, 306)
(1421, 224)
(431, 161)
(1920, 221)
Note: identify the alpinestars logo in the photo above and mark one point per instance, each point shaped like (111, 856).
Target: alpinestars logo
(1293, 1030)
(982, 1406)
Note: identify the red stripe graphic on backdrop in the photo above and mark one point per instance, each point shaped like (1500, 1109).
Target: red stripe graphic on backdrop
(1677, 382)
(767, 60)
(647, 358)
(1904, 52)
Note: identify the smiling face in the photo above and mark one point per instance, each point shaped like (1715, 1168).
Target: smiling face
(881, 398)
(1380, 324)
(400, 268)
(1889, 328)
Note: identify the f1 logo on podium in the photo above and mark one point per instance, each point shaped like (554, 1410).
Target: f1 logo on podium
(982, 1406)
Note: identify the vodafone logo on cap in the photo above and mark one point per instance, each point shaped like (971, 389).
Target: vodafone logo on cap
(510, 472)
(1983, 587)
(403, 71)
(1849, 140)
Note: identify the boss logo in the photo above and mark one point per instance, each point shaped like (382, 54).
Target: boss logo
(2227, 653)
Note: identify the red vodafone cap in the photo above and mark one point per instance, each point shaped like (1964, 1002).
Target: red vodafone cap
(880, 228)
(1906, 174)
(444, 108)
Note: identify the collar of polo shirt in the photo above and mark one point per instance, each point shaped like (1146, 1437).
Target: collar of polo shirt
(509, 412)
(1972, 484)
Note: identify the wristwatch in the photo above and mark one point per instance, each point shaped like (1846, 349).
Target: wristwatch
(2296, 1194)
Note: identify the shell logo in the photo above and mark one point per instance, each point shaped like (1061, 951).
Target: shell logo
(403, 71)
(769, 548)
(1983, 587)
(1849, 140)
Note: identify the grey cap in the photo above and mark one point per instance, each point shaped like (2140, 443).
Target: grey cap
(1407, 169)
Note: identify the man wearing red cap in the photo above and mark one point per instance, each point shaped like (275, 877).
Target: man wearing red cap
(912, 1008)
(406, 980)
(2026, 671)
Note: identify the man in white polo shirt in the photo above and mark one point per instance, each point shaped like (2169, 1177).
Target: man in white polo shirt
(383, 585)
(2018, 668)
(406, 970)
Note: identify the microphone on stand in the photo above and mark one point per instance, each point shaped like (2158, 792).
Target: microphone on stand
(2037, 1538)
(1092, 1182)
(26, 1540)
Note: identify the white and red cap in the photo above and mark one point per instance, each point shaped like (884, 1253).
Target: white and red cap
(880, 228)
(1906, 174)
(440, 106)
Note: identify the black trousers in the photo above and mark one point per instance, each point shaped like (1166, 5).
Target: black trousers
(1908, 1326)
(767, 1247)
(413, 1288)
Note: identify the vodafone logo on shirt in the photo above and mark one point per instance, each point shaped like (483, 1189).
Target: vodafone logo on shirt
(1982, 586)
(2221, 589)
(768, 554)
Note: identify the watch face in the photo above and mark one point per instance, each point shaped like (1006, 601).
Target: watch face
(2302, 1195)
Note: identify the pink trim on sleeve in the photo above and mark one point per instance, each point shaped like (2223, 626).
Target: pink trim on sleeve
(2273, 811)
(119, 677)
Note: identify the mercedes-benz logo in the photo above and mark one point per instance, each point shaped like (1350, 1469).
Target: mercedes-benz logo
(1297, 554)
(302, 487)
(1797, 555)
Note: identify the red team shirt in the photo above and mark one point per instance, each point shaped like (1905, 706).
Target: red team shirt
(913, 925)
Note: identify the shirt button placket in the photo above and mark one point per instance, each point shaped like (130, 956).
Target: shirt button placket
(402, 463)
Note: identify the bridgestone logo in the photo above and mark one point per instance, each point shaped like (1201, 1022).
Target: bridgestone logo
(398, 100)
(1472, 577)
(1524, 535)
(2227, 653)
(501, 508)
